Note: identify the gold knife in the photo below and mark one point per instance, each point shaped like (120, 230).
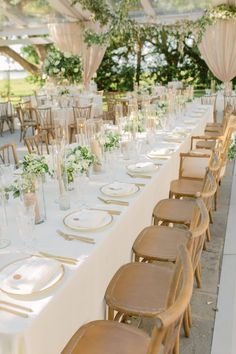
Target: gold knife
(11, 304)
(59, 258)
(138, 175)
(14, 312)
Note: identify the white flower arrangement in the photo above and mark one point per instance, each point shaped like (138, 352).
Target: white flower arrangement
(78, 160)
(63, 66)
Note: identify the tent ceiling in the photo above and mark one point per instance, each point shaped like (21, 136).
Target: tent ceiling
(20, 19)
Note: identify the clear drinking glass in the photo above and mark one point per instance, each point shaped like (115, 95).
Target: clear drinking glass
(26, 221)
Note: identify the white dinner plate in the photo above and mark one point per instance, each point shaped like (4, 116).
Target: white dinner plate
(31, 275)
(87, 220)
(119, 189)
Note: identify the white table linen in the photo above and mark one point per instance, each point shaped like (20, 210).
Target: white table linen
(79, 297)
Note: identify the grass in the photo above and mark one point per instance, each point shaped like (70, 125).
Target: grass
(18, 88)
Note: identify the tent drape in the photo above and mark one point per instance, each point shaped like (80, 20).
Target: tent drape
(69, 37)
(218, 49)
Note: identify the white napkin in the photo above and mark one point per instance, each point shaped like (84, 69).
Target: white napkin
(31, 275)
(190, 121)
(119, 189)
(159, 152)
(142, 167)
(87, 219)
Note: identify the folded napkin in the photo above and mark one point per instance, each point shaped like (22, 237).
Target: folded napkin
(142, 167)
(159, 152)
(29, 275)
(119, 189)
(190, 121)
(86, 219)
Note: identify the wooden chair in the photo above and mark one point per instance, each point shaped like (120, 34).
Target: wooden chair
(180, 211)
(27, 120)
(192, 170)
(220, 127)
(110, 337)
(8, 154)
(37, 144)
(210, 100)
(46, 122)
(160, 243)
(79, 113)
(5, 118)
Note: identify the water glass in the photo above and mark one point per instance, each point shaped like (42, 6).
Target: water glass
(26, 221)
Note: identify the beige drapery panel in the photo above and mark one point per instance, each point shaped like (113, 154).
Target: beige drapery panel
(69, 37)
(218, 47)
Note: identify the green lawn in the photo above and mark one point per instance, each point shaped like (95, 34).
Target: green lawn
(18, 88)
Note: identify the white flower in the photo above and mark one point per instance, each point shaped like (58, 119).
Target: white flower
(57, 62)
(55, 70)
(67, 55)
(63, 70)
(76, 70)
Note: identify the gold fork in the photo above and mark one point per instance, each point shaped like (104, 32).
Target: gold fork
(66, 260)
(71, 237)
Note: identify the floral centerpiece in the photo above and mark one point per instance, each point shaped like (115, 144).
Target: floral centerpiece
(63, 66)
(111, 141)
(30, 183)
(78, 160)
(33, 166)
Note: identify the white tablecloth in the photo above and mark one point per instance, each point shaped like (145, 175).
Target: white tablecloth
(79, 297)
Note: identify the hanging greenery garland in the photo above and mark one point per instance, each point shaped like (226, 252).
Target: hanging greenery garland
(211, 16)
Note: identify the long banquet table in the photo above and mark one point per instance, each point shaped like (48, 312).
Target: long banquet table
(79, 297)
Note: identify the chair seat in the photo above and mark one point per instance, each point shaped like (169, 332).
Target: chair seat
(214, 129)
(215, 134)
(160, 243)
(214, 125)
(178, 211)
(140, 288)
(186, 187)
(204, 144)
(108, 337)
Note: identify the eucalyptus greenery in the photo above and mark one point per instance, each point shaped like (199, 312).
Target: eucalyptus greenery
(111, 141)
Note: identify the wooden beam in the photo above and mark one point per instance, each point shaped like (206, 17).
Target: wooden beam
(33, 69)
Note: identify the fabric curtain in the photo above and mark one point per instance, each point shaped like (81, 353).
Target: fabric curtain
(69, 37)
(218, 49)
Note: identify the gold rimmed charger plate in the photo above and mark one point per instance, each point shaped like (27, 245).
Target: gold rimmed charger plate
(137, 188)
(51, 284)
(78, 228)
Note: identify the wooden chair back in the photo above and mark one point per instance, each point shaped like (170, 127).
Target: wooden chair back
(168, 323)
(30, 115)
(82, 112)
(37, 144)
(193, 165)
(3, 110)
(8, 154)
(45, 117)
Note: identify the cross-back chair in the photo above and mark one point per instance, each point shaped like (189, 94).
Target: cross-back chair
(37, 144)
(6, 117)
(28, 119)
(79, 112)
(111, 337)
(46, 121)
(8, 154)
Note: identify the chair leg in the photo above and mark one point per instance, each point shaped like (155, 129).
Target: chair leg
(186, 324)
(215, 199)
(190, 320)
(210, 215)
(198, 275)
(176, 347)
(208, 234)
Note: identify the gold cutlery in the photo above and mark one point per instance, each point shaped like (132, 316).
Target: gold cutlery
(113, 201)
(111, 212)
(14, 312)
(71, 237)
(134, 175)
(11, 304)
(66, 260)
(140, 184)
